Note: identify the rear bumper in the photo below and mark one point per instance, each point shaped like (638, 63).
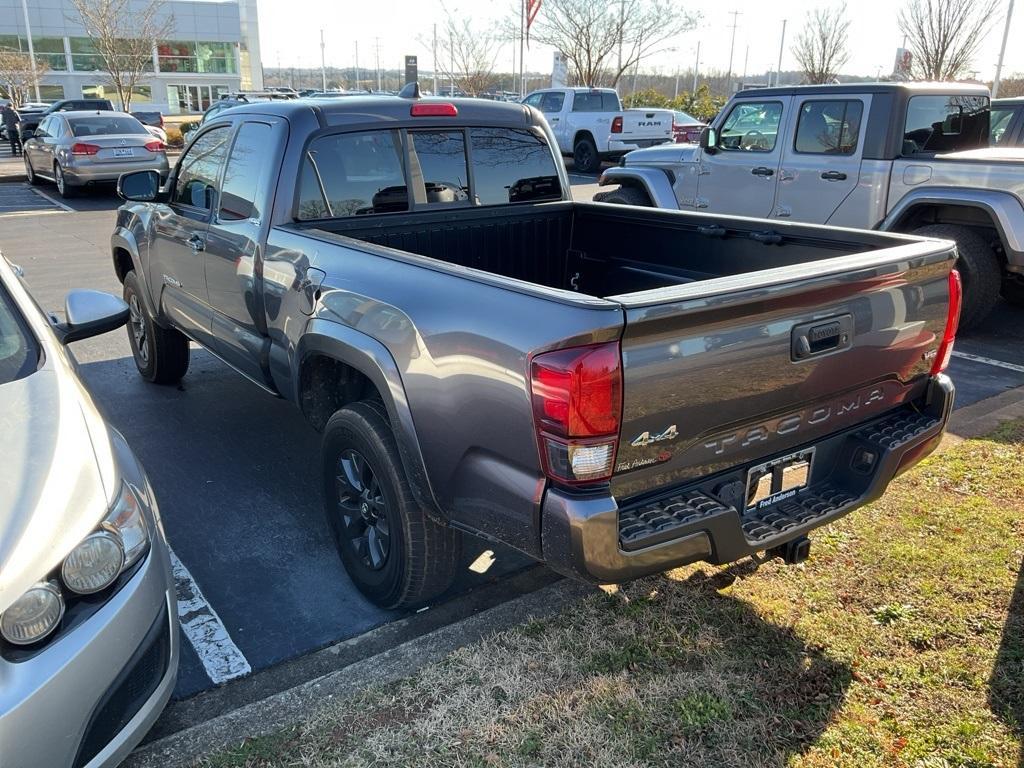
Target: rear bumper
(87, 173)
(590, 537)
(618, 148)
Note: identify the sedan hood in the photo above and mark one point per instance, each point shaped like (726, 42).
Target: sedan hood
(52, 489)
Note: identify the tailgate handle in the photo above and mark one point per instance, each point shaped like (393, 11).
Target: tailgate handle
(822, 337)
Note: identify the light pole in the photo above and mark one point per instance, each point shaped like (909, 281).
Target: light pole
(1002, 51)
(732, 46)
(696, 68)
(32, 51)
(323, 66)
(782, 44)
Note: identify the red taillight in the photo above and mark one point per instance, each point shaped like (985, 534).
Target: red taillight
(84, 149)
(617, 124)
(952, 320)
(577, 404)
(155, 146)
(427, 109)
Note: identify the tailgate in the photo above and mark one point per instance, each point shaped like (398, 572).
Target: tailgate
(645, 124)
(742, 368)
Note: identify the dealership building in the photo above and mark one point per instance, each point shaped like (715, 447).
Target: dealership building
(213, 48)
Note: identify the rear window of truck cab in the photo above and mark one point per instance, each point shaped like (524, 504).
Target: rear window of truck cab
(945, 124)
(393, 171)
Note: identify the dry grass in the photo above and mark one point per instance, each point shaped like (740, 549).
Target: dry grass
(900, 643)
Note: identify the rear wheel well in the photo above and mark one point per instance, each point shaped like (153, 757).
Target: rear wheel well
(978, 219)
(327, 385)
(122, 263)
(580, 135)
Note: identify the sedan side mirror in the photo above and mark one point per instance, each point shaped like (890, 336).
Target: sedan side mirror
(709, 140)
(90, 313)
(139, 186)
(28, 133)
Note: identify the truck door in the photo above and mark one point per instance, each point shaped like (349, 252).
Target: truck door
(180, 230)
(233, 247)
(552, 104)
(821, 164)
(739, 175)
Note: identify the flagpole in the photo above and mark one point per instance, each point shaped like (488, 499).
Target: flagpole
(522, 47)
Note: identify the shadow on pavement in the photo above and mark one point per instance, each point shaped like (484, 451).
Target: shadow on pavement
(236, 474)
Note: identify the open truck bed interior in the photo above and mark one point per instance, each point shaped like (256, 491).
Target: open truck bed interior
(600, 250)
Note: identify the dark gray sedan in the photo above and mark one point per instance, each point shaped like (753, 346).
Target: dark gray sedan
(75, 149)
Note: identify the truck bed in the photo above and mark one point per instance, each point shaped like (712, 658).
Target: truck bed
(602, 250)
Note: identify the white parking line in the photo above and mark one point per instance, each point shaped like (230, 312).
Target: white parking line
(988, 361)
(202, 626)
(53, 200)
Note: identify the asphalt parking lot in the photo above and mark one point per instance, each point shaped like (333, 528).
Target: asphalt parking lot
(259, 581)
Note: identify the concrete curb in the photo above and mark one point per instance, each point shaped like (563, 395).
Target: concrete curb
(986, 415)
(292, 706)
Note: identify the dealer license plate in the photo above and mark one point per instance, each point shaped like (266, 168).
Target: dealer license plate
(779, 479)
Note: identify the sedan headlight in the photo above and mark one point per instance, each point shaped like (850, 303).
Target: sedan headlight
(34, 615)
(94, 564)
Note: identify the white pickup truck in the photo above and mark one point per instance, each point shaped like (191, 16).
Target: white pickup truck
(591, 125)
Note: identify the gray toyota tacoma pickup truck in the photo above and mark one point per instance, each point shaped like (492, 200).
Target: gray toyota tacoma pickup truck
(903, 157)
(613, 391)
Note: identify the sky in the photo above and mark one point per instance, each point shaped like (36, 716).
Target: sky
(290, 34)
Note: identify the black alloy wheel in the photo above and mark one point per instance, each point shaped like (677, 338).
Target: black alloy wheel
(363, 510)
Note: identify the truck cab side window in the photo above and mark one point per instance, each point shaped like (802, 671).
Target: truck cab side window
(534, 99)
(751, 127)
(243, 172)
(552, 102)
(828, 127)
(196, 182)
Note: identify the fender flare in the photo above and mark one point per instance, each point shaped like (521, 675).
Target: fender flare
(124, 239)
(654, 181)
(372, 359)
(1004, 209)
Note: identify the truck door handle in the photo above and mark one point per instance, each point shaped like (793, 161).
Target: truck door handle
(762, 171)
(196, 243)
(833, 176)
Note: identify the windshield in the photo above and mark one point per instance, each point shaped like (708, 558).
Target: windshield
(105, 126)
(19, 353)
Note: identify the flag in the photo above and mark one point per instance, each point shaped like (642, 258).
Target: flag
(532, 9)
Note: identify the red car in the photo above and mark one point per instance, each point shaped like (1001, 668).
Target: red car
(686, 128)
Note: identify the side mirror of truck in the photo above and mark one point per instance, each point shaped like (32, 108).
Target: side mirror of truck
(709, 140)
(139, 186)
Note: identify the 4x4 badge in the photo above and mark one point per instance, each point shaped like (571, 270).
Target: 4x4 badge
(646, 438)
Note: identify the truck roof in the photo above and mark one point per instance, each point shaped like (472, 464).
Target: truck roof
(902, 89)
(1014, 101)
(332, 111)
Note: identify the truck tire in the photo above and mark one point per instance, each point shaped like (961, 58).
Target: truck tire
(624, 196)
(1013, 290)
(161, 354)
(584, 155)
(979, 268)
(396, 555)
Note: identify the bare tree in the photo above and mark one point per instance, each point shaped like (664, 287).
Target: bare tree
(465, 55)
(944, 35)
(124, 35)
(821, 48)
(17, 76)
(592, 33)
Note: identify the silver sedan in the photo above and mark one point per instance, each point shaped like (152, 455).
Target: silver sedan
(74, 149)
(88, 615)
